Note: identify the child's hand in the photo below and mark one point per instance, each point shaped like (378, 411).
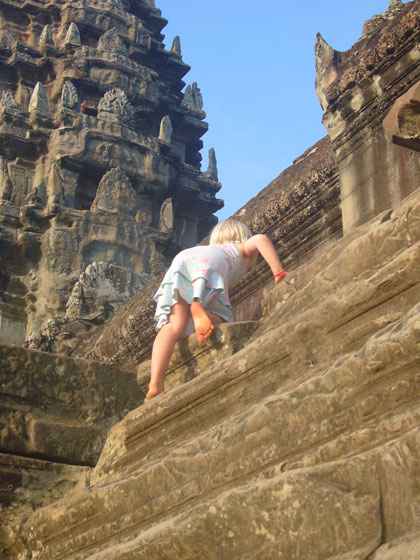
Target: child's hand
(278, 277)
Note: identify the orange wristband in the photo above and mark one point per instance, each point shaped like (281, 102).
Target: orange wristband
(280, 273)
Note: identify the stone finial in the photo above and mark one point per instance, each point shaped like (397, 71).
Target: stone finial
(166, 221)
(111, 42)
(73, 36)
(188, 97)
(324, 54)
(6, 186)
(69, 97)
(211, 172)
(198, 98)
(46, 36)
(115, 194)
(176, 46)
(39, 100)
(165, 133)
(55, 186)
(7, 101)
(193, 97)
(326, 59)
(113, 104)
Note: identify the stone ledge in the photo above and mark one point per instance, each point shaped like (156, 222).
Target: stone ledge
(59, 408)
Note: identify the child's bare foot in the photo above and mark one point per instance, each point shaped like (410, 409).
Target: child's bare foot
(203, 325)
(153, 392)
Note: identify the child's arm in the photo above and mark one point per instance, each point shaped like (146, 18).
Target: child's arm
(261, 244)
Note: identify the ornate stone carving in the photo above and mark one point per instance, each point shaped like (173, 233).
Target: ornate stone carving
(111, 42)
(355, 92)
(64, 145)
(72, 37)
(69, 97)
(7, 39)
(7, 101)
(101, 289)
(39, 101)
(115, 104)
(115, 194)
(165, 133)
(6, 186)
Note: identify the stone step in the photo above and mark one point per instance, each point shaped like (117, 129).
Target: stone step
(315, 418)
(190, 358)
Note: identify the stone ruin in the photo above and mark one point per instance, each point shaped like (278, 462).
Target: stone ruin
(99, 163)
(293, 433)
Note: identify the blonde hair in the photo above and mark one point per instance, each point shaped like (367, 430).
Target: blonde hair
(230, 231)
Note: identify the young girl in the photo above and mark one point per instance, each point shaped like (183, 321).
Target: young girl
(194, 292)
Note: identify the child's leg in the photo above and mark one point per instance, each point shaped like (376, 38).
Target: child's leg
(203, 321)
(164, 344)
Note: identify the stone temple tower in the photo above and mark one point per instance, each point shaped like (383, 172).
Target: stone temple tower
(100, 179)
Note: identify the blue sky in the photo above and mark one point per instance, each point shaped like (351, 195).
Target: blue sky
(255, 65)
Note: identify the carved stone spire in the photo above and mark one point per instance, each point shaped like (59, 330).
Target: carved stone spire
(55, 186)
(211, 172)
(176, 46)
(73, 36)
(39, 100)
(46, 36)
(198, 98)
(188, 99)
(165, 133)
(193, 97)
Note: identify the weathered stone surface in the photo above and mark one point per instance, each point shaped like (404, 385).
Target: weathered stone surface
(58, 408)
(313, 424)
(101, 289)
(357, 89)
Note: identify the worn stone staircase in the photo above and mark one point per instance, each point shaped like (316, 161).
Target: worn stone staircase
(301, 442)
